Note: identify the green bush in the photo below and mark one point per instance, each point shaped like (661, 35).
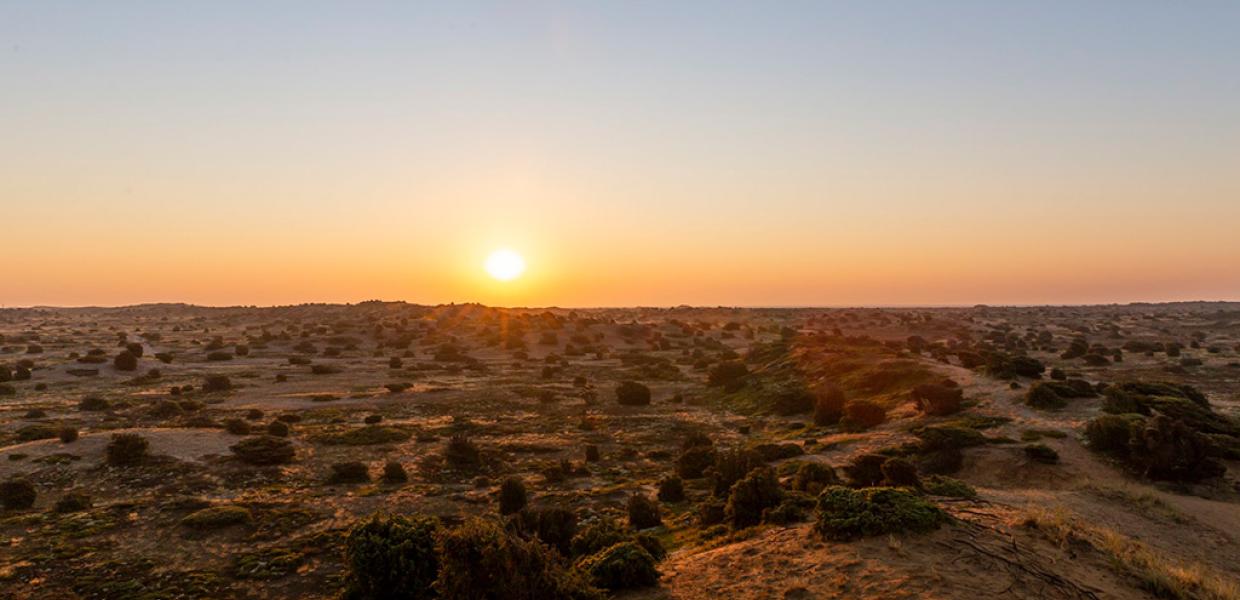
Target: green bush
(939, 485)
(216, 517)
(480, 560)
(38, 431)
(731, 466)
(1041, 453)
(865, 470)
(626, 565)
(813, 477)
(860, 415)
(367, 435)
(278, 428)
(846, 514)
(392, 558)
(1110, 434)
(643, 512)
(938, 399)
(512, 496)
(264, 450)
(349, 472)
(631, 393)
(756, 492)
(1042, 395)
(901, 473)
(93, 404)
(694, 461)
(554, 526)
(596, 537)
(216, 383)
(237, 426)
(17, 494)
(947, 437)
(126, 449)
(828, 405)
(1168, 449)
(125, 361)
(73, 502)
(394, 472)
(671, 489)
(728, 374)
(462, 453)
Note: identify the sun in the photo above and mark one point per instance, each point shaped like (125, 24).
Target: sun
(505, 265)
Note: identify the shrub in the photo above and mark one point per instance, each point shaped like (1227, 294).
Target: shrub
(216, 383)
(901, 473)
(1170, 450)
(68, 434)
(643, 512)
(264, 450)
(216, 517)
(846, 514)
(479, 560)
(394, 472)
(1110, 434)
(278, 428)
(813, 477)
(866, 470)
(462, 453)
(1043, 395)
(860, 415)
(392, 558)
(512, 496)
(365, 436)
(631, 393)
(728, 374)
(7, 390)
(694, 461)
(731, 466)
(945, 436)
(237, 427)
(596, 537)
(38, 431)
(1041, 453)
(349, 472)
(73, 502)
(940, 462)
(938, 399)
(791, 399)
(592, 454)
(125, 361)
(93, 403)
(626, 565)
(756, 492)
(126, 449)
(828, 405)
(772, 452)
(17, 494)
(553, 525)
(373, 419)
(671, 489)
(946, 486)
(219, 356)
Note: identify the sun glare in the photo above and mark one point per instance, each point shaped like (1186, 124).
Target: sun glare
(505, 265)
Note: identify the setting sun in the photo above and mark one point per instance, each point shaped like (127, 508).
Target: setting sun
(505, 265)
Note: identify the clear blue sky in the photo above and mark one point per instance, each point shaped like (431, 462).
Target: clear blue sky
(636, 152)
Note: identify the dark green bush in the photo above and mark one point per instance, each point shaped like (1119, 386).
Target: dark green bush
(237, 427)
(813, 477)
(554, 526)
(512, 496)
(596, 537)
(126, 449)
(694, 461)
(631, 393)
(392, 558)
(1110, 434)
(264, 450)
(846, 514)
(216, 383)
(394, 472)
(278, 428)
(731, 466)
(93, 403)
(626, 565)
(749, 497)
(480, 560)
(643, 512)
(73, 502)
(671, 489)
(828, 405)
(946, 486)
(68, 434)
(860, 415)
(865, 470)
(216, 517)
(938, 399)
(125, 361)
(728, 374)
(17, 494)
(462, 453)
(900, 473)
(349, 472)
(1170, 450)
(1041, 453)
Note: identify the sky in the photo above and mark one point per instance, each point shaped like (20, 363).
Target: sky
(635, 153)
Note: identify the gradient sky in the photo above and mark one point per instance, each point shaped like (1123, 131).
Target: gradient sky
(650, 153)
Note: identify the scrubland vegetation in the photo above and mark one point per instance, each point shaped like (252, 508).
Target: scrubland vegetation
(386, 450)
